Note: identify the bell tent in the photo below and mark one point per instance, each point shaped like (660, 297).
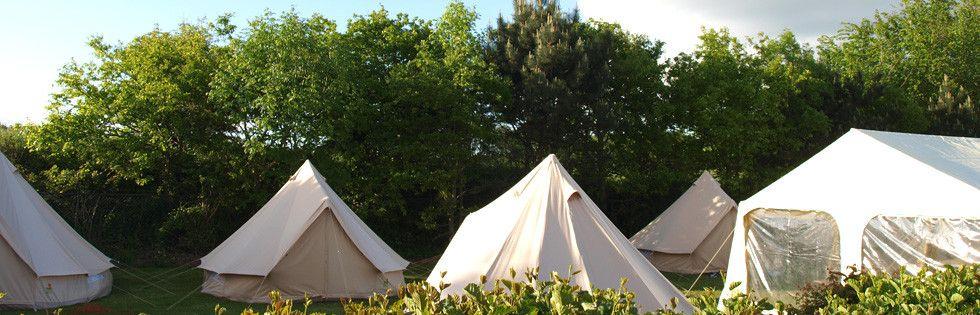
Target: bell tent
(44, 263)
(694, 234)
(875, 200)
(547, 221)
(304, 242)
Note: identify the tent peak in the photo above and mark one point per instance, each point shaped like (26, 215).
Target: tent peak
(307, 170)
(549, 172)
(551, 158)
(706, 174)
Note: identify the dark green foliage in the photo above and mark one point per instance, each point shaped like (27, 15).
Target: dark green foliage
(949, 290)
(724, 95)
(416, 122)
(591, 93)
(554, 296)
(737, 304)
(915, 49)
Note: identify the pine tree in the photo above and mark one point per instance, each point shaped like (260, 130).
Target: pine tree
(544, 56)
(954, 111)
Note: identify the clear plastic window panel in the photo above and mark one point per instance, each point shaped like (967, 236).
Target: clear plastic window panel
(788, 249)
(890, 243)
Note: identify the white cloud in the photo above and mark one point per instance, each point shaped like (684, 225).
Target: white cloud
(679, 22)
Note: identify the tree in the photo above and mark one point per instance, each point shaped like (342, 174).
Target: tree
(542, 54)
(954, 110)
(393, 110)
(748, 116)
(283, 78)
(590, 93)
(854, 101)
(442, 98)
(138, 120)
(914, 49)
(13, 145)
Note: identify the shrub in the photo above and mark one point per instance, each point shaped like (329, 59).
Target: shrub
(277, 306)
(813, 296)
(737, 304)
(555, 296)
(950, 290)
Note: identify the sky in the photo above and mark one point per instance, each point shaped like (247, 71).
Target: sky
(39, 37)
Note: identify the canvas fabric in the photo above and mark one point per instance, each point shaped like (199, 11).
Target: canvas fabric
(304, 242)
(547, 221)
(45, 263)
(309, 270)
(710, 256)
(685, 237)
(862, 176)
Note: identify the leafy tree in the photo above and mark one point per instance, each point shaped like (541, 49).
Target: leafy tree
(749, 116)
(281, 76)
(393, 110)
(913, 49)
(13, 145)
(138, 120)
(442, 99)
(856, 102)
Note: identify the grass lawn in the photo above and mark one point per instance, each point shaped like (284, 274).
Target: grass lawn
(130, 295)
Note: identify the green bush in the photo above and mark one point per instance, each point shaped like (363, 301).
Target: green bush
(737, 304)
(277, 306)
(950, 290)
(555, 296)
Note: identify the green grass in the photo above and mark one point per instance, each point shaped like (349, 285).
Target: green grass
(133, 296)
(683, 282)
(130, 295)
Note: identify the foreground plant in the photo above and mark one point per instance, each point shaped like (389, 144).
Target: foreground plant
(950, 290)
(506, 296)
(737, 304)
(277, 306)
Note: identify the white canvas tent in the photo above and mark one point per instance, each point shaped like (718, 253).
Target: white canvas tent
(547, 221)
(875, 200)
(44, 263)
(693, 234)
(304, 242)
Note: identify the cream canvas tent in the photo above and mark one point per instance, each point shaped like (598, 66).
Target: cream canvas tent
(875, 200)
(44, 263)
(694, 234)
(547, 221)
(304, 241)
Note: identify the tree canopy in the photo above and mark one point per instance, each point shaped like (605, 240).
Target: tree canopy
(178, 136)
